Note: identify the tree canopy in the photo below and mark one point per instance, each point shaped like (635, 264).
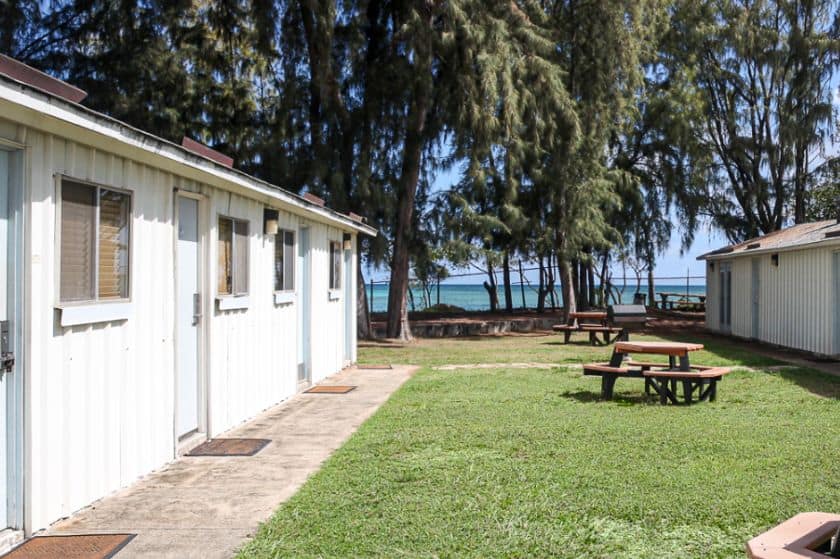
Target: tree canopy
(582, 131)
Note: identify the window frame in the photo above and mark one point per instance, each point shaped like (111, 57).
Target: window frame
(233, 294)
(280, 237)
(60, 179)
(335, 286)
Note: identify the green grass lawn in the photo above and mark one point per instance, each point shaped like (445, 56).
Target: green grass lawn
(528, 462)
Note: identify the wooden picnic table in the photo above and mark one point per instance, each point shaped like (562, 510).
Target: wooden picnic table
(659, 377)
(591, 322)
(682, 298)
(600, 316)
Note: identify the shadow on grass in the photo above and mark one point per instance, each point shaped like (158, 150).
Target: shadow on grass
(579, 343)
(815, 382)
(588, 397)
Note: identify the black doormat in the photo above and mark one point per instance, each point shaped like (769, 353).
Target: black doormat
(330, 389)
(87, 546)
(229, 447)
(375, 367)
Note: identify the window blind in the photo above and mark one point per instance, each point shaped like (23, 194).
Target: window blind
(78, 233)
(335, 265)
(240, 255)
(113, 244)
(289, 260)
(225, 279)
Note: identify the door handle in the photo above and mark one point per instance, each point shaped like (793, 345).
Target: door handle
(7, 357)
(196, 309)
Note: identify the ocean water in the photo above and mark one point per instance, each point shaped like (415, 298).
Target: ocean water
(475, 297)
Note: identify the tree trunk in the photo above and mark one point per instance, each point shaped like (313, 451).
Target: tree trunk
(363, 330)
(542, 290)
(651, 287)
(522, 285)
(583, 293)
(506, 280)
(567, 286)
(398, 326)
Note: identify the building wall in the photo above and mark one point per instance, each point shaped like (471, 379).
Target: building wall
(100, 398)
(797, 299)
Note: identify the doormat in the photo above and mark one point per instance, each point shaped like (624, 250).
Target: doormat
(375, 367)
(89, 546)
(330, 389)
(229, 447)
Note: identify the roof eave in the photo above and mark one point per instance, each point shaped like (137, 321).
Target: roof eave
(59, 110)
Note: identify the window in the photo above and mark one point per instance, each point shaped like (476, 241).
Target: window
(95, 257)
(233, 256)
(335, 265)
(284, 261)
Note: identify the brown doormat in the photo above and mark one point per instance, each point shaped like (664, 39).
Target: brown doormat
(374, 367)
(89, 546)
(229, 447)
(330, 389)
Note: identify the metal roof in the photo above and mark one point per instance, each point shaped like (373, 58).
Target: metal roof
(99, 122)
(804, 235)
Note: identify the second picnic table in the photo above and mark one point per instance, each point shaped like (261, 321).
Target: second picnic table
(661, 378)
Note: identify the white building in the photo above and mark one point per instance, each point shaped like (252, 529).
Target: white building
(783, 288)
(154, 297)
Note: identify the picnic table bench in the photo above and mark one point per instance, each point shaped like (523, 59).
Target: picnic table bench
(662, 378)
(596, 323)
(682, 300)
(808, 534)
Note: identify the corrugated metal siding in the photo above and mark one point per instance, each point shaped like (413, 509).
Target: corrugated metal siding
(712, 287)
(100, 398)
(797, 301)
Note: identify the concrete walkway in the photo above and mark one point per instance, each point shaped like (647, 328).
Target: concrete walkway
(208, 507)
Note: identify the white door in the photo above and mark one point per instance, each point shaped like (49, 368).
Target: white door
(189, 317)
(6, 311)
(837, 303)
(755, 293)
(349, 311)
(304, 308)
(725, 297)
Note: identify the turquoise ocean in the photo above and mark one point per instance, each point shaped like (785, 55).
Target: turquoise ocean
(473, 297)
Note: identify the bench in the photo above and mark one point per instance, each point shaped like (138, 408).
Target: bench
(592, 329)
(703, 381)
(661, 379)
(807, 534)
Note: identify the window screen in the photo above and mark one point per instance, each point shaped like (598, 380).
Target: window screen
(240, 257)
(335, 265)
(225, 256)
(233, 256)
(95, 246)
(284, 261)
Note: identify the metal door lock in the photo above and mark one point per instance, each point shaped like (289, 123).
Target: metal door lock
(7, 357)
(196, 309)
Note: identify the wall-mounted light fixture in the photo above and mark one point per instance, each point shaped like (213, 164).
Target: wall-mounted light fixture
(271, 221)
(774, 258)
(348, 241)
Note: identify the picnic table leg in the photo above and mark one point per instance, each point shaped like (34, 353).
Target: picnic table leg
(607, 385)
(593, 340)
(616, 359)
(688, 391)
(566, 336)
(684, 363)
(647, 386)
(672, 363)
(713, 390)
